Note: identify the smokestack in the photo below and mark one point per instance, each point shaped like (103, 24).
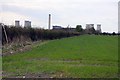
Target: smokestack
(49, 23)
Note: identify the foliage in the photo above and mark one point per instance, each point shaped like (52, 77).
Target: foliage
(33, 34)
(79, 28)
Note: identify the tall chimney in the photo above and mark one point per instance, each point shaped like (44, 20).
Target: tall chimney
(49, 22)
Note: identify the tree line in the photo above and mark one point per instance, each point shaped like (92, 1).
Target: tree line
(19, 34)
(33, 34)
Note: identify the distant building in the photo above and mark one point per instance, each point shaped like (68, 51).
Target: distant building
(27, 24)
(89, 26)
(49, 22)
(69, 29)
(64, 29)
(99, 28)
(57, 27)
(17, 23)
(89, 29)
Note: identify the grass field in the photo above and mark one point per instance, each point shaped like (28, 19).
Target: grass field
(86, 56)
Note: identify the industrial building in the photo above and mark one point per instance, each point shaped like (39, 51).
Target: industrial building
(64, 29)
(89, 26)
(57, 27)
(49, 22)
(99, 28)
(17, 23)
(27, 24)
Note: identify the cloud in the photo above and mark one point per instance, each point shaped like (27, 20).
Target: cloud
(66, 12)
(9, 17)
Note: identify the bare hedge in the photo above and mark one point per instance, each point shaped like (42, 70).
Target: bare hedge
(34, 34)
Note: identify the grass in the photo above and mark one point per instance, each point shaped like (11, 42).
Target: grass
(86, 56)
(0, 63)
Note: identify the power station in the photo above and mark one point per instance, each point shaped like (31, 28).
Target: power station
(88, 26)
(49, 22)
(17, 23)
(27, 24)
(99, 28)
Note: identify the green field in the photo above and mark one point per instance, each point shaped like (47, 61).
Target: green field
(85, 56)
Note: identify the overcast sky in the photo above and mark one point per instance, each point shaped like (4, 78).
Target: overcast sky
(64, 12)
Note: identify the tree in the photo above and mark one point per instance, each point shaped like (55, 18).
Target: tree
(113, 33)
(79, 28)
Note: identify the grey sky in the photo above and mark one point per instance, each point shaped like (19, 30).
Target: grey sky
(63, 12)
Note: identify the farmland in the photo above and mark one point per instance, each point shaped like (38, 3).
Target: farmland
(85, 56)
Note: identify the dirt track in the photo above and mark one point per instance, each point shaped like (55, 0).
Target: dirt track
(10, 50)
